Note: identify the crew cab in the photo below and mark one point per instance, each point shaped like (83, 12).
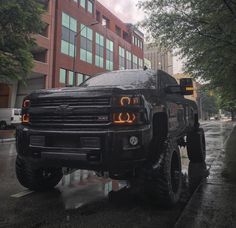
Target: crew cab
(128, 124)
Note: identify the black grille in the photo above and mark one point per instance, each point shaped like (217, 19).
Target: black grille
(79, 119)
(75, 101)
(70, 111)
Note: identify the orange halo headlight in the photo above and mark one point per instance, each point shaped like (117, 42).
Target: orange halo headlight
(128, 100)
(25, 118)
(26, 103)
(124, 118)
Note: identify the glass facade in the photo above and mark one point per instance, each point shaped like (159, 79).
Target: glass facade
(71, 78)
(86, 44)
(90, 6)
(121, 58)
(109, 54)
(62, 78)
(83, 3)
(80, 79)
(140, 63)
(69, 31)
(135, 62)
(128, 60)
(99, 57)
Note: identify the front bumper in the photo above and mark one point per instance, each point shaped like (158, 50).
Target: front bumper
(100, 150)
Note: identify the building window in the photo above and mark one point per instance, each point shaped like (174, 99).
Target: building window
(86, 44)
(132, 39)
(62, 78)
(105, 22)
(109, 54)
(71, 78)
(118, 30)
(80, 79)
(128, 60)
(135, 62)
(98, 16)
(69, 30)
(90, 6)
(125, 36)
(83, 3)
(99, 57)
(121, 58)
(76, 1)
(140, 63)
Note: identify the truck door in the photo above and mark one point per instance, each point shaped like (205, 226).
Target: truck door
(174, 104)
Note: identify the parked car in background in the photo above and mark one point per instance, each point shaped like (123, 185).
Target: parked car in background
(9, 117)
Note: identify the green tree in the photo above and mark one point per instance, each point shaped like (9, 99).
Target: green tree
(205, 33)
(19, 19)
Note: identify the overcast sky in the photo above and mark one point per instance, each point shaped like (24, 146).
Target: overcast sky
(128, 11)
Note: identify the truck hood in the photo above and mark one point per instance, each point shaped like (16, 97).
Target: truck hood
(92, 91)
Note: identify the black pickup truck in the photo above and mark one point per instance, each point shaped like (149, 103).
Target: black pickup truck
(128, 124)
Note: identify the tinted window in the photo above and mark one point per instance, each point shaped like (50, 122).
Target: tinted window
(138, 79)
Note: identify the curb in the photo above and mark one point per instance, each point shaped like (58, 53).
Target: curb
(7, 140)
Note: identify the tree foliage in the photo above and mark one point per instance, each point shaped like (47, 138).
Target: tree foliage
(205, 33)
(19, 19)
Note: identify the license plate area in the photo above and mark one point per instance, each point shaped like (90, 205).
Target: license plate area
(65, 141)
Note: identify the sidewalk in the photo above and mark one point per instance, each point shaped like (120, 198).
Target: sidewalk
(213, 204)
(7, 135)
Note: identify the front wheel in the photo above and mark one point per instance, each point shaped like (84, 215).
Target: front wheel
(40, 179)
(164, 180)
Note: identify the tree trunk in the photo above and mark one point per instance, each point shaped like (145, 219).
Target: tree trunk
(232, 115)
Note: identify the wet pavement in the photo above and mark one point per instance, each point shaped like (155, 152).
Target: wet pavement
(214, 202)
(81, 198)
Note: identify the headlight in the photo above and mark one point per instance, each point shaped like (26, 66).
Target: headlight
(25, 115)
(125, 118)
(127, 101)
(26, 103)
(25, 118)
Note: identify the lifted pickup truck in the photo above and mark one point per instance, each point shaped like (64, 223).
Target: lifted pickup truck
(128, 124)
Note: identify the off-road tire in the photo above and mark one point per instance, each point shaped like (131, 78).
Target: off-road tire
(196, 146)
(3, 125)
(40, 179)
(164, 180)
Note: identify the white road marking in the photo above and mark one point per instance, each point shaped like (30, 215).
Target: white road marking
(21, 194)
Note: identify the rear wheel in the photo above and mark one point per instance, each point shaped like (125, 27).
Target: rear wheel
(196, 146)
(196, 149)
(40, 179)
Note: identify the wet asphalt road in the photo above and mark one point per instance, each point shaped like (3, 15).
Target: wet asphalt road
(81, 199)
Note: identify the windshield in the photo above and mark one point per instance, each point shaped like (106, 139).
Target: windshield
(136, 79)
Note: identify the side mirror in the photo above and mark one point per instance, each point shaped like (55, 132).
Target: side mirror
(173, 89)
(186, 85)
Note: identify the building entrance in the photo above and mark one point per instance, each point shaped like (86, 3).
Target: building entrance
(4, 95)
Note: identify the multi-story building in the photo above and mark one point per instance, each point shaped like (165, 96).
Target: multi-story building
(81, 38)
(159, 59)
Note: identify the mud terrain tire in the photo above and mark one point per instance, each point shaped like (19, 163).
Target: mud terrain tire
(196, 146)
(41, 179)
(164, 179)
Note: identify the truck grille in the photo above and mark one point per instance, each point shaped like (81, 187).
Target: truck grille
(70, 111)
(69, 119)
(75, 101)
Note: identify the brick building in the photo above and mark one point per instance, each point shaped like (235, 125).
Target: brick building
(80, 39)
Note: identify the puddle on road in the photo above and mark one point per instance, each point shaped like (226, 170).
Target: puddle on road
(83, 187)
